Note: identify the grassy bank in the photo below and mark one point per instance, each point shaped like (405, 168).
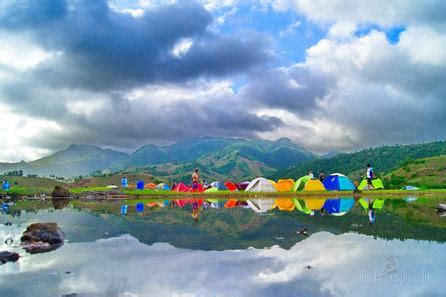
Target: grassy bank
(147, 193)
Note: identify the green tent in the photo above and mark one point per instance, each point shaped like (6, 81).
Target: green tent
(300, 183)
(376, 204)
(301, 206)
(377, 183)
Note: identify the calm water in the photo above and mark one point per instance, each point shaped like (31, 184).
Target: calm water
(236, 248)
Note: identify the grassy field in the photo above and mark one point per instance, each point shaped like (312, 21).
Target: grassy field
(146, 193)
(31, 187)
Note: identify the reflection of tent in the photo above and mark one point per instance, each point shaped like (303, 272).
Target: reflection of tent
(377, 183)
(219, 186)
(231, 186)
(181, 202)
(261, 205)
(215, 203)
(339, 206)
(376, 204)
(231, 203)
(284, 185)
(284, 204)
(314, 185)
(181, 188)
(314, 203)
(301, 206)
(163, 187)
(260, 185)
(338, 182)
(300, 183)
(151, 186)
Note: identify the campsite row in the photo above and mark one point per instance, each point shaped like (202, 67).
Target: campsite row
(333, 182)
(337, 207)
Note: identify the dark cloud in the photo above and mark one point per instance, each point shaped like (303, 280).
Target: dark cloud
(102, 49)
(295, 89)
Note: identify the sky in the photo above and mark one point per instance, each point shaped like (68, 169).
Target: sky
(330, 75)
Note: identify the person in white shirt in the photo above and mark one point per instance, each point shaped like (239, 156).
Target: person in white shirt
(369, 176)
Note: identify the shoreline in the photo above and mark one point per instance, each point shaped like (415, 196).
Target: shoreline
(115, 195)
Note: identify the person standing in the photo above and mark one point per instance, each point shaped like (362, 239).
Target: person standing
(310, 174)
(195, 180)
(124, 182)
(369, 176)
(321, 176)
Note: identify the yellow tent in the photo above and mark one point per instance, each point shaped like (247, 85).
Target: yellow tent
(314, 185)
(314, 203)
(285, 204)
(284, 185)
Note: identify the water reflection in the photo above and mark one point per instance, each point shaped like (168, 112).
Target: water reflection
(261, 247)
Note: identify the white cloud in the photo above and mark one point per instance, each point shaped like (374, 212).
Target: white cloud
(181, 47)
(20, 132)
(18, 52)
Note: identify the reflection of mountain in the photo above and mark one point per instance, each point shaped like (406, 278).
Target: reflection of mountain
(239, 228)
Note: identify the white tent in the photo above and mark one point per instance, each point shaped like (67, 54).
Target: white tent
(261, 205)
(260, 184)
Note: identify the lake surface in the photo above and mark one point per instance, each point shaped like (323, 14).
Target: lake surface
(310, 247)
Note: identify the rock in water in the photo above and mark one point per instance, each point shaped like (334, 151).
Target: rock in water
(42, 237)
(61, 192)
(8, 257)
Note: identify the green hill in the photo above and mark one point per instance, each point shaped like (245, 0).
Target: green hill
(383, 159)
(424, 173)
(219, 158)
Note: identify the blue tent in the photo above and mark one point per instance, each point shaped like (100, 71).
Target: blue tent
(338, 182)
(219, 186)
(163, 187)
(140, 185)
(339, 206)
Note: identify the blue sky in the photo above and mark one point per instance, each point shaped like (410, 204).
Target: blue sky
(329, 75)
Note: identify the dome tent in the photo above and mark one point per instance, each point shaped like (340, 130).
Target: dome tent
(377, 183)
(260, 184)
(300, 183)
(284, 185)
(338, 182)
(314, 185)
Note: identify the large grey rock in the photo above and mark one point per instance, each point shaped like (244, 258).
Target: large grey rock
(42, 237)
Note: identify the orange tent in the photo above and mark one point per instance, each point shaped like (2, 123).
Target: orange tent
(231, 203)
(284, 185)
(151, 186)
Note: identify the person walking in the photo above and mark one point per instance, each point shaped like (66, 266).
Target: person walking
(369, 176)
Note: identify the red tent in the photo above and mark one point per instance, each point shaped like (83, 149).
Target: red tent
(199, 189)
(231, 186)
(181, 188)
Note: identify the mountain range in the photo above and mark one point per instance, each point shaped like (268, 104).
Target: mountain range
(233, 158)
